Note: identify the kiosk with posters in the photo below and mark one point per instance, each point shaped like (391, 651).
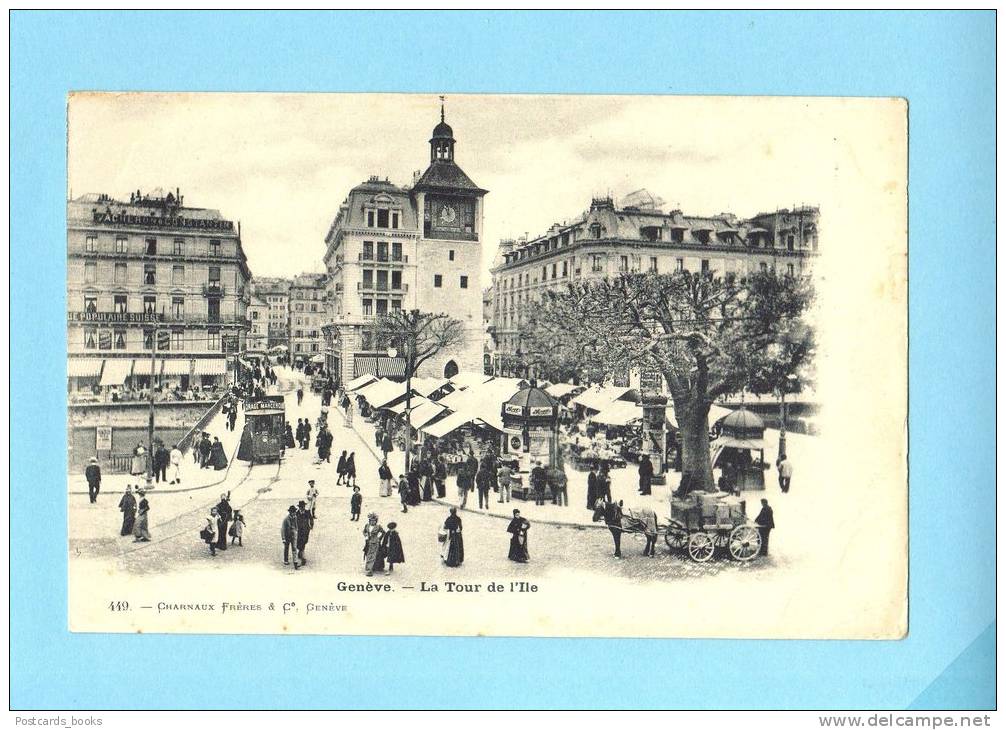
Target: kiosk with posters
(531, 429)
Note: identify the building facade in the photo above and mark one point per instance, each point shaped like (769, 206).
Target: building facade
(258, 319)
(275, 291)
(416, 247)
(150, 272)
(308, 305)
(610, 240)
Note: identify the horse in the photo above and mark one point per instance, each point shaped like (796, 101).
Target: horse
(636, 520)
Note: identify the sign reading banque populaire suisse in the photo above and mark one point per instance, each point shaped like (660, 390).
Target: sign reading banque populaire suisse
(114, 317)
(129, 219)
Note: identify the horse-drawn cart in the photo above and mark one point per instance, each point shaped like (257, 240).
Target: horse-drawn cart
(703, 523)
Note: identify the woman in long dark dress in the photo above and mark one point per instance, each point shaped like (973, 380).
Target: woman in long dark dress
(351, 470)
(127, 505)
(453, 550)
(288, 441)
(217, 456)
(518, 538)
(392, 547)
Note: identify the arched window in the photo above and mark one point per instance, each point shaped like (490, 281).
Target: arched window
(450, 369)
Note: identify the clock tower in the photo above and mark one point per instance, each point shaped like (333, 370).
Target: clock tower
(449, 267)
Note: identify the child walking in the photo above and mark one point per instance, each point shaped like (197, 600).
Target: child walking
(355, 505)
(237, 528)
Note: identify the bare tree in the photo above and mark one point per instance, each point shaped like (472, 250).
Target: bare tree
(416, 336)
(706, 335)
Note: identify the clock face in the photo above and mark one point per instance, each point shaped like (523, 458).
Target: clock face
(448, 214)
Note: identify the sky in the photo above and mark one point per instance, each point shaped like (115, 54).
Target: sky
(282, 163)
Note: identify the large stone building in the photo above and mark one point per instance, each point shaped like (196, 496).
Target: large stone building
(308, 313)
(275, 292)
(416, 247)
(609, 240)
(143, 272)
(151, 269)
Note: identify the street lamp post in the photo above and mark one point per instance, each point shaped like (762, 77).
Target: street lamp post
(392, 352)
(150, 418)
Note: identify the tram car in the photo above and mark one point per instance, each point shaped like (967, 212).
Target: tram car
(265, 429)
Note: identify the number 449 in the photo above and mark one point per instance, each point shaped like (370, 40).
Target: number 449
(118, 606)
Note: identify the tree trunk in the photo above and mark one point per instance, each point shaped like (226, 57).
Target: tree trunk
(693, 422)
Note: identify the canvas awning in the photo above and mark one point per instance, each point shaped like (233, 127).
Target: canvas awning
(177, 366)
(414, 402)
(391, 367)
(715, 414)
(426, 412)
(383, 392)
(558, 390)
(444, 426)
(600, 397)
(618, 413)
(735, 443)
(115, 372)
(468, 379)
(319, 359)
(360, 382)
(83, 367)
(364, 366)
(210, 366)
(425, 386)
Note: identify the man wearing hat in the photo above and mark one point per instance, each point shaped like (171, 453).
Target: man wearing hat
(288, 533)
(303, 529)
(93, 475)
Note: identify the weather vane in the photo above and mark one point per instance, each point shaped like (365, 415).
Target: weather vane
(441, 107)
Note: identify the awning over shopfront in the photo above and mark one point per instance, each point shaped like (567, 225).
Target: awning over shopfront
(364, 366)
(736, 443)
(83, 367)
(214, 366)
(391, 367)
(360, 382)
(115, 372)
(177, 366)
(444, 426)
(318, 359)
(618, 413)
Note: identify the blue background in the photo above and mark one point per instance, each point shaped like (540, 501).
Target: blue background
(942, 62)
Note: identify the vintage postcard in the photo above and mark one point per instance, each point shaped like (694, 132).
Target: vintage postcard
(503, 365)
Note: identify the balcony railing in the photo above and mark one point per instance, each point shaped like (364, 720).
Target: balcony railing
(380, 287)
(216, 290)
(383, 258)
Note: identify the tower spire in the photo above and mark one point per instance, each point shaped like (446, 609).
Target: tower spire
(441, 108)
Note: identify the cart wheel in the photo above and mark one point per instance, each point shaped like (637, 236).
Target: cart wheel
(676, 538)
(745, 543)
(700, 547)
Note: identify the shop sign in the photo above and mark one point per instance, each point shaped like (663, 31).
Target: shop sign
(114, 317)
(512, 410)
(107, 217)
(539, 411)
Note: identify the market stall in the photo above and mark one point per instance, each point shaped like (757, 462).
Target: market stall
(739, 451)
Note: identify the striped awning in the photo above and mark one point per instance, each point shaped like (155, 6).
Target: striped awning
(177, 366)
(115, 372)
(391, 367)
(83, 367)
(214, 366)
(364, 365)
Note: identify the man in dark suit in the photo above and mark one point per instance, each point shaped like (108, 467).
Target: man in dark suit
(645, 475)
(93, 475)
(766, 523)
(303, 517)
